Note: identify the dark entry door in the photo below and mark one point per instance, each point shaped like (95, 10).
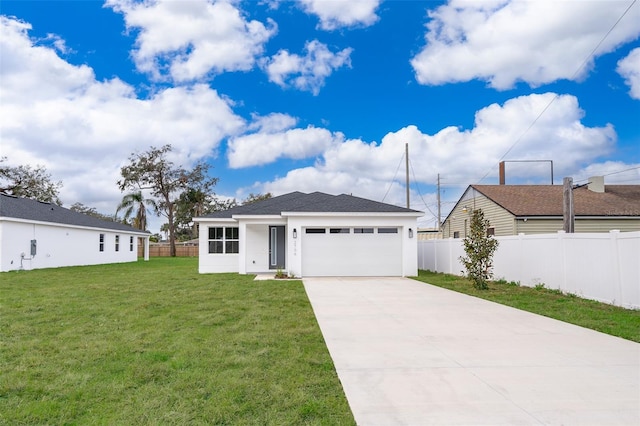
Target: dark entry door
(276, 247)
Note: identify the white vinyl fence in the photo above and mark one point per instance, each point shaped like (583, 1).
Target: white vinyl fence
(598, 266)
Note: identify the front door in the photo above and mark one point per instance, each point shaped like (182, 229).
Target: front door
(276, 247)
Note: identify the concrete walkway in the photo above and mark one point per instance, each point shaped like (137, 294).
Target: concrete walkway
(408, 353)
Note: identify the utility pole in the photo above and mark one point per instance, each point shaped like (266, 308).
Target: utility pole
(406, 159)
(439, 202)
(568, 215)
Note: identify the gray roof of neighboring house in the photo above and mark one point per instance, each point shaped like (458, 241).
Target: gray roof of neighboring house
(27, 209)
(316, 202)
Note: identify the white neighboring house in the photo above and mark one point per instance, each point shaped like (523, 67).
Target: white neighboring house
(36, 235)
(309, 235)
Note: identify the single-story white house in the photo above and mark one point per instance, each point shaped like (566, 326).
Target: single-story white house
(308, 235)
(37, 235)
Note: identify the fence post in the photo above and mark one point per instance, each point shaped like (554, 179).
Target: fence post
(436, 245)
(450, 254)
(521, 256)
(614, 254)
(563, 258)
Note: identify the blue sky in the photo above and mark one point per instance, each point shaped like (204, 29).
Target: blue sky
(323, 95)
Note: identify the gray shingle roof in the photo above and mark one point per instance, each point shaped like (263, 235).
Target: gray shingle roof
(316, 202)
(27, 209)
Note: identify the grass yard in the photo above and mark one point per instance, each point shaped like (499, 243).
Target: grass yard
(157, 343)
(598, 316)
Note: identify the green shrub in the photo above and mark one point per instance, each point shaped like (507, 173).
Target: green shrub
(479, 248)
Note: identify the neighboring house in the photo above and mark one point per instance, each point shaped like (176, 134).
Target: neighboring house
(429, 234)
(37, 235)
(538, 209)
(313, 234)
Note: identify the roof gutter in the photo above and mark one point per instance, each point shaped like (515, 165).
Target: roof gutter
(353, 214)
(67, 225)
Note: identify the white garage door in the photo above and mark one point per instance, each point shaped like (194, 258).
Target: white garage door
(352, 251)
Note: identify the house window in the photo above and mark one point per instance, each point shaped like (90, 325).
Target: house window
(315, 231)
(131, 243)
(387, 230)
(101, 242)
(339, 230)
(491, 231)
(117, 242)
(224, 240)
(363, 230)
(231, 240)
(456, 234)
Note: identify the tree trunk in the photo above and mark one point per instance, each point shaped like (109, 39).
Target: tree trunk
(172, 231)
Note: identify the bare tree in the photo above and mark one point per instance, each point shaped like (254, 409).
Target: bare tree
(28, 182)
(252, 198)
(153, 171)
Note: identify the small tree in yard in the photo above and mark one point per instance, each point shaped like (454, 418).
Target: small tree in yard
(479, 248)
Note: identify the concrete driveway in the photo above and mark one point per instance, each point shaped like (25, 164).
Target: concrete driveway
(408, 353)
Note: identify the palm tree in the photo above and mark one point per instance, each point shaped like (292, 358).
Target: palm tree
(135, 201)
(194, 201)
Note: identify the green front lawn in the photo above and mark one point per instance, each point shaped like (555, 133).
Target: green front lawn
(598, 316)
(157, 343)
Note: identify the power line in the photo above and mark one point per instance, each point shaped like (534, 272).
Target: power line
(519, 139)
(622, 171)
(418, 189)
(614, 173)
(394, 178)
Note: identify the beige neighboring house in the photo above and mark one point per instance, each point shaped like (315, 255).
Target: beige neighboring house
(429, 234)
(538, 209)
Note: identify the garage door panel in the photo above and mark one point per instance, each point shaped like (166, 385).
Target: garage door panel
(352, 254)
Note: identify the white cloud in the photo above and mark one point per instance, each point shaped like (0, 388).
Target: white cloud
(272, 123)
(192, 39)
(460, 156)
(275, 141)
(503, 42)
(307, 72)
(629, 69)
(83, 130)
(336, 14)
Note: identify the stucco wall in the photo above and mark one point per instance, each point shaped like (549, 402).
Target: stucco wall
(217, 262)
(257, 248)
(60, 246)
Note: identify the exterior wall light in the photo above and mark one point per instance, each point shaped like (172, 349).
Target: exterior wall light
(295, 233)
(410, 233)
